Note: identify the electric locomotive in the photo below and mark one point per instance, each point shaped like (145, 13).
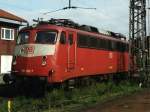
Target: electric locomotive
(59, 50)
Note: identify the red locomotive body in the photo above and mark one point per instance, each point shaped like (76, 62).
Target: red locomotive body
(59, 53)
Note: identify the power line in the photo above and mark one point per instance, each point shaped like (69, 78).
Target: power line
(69, 7)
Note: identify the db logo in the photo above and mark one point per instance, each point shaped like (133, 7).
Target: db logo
(27, 50)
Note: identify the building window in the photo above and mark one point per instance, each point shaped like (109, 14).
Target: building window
(7, 34)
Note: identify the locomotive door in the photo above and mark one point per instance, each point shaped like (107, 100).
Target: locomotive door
(71, 51)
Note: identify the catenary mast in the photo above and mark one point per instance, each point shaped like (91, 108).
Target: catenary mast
(138, 38)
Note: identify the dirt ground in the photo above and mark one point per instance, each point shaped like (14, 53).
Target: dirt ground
(138, 102)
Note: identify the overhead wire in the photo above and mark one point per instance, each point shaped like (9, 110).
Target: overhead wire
(68, 7)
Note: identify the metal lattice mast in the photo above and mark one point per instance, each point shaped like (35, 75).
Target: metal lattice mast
(148, 37)
(137, 33)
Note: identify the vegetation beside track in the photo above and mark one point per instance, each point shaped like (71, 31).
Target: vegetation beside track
(74, 100)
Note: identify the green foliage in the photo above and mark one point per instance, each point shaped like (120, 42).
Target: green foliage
(59, 100)
(3, 105)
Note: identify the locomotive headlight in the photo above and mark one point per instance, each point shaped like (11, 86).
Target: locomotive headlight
(44, 58)
(14, 60)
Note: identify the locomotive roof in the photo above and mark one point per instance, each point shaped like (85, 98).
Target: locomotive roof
(45, 25)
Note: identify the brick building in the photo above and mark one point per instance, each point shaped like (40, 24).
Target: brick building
(9, 26)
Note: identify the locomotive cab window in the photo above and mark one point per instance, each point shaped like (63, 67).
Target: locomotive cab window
(23, 38)
(46, 37)
(63, 38)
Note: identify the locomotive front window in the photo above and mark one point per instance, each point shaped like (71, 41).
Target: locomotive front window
(46, 37)
(23, 38)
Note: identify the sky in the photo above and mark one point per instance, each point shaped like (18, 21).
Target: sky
(112, 15)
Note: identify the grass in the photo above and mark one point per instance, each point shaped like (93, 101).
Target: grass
(59, 100)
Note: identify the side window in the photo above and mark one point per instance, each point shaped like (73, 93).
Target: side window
(109, 45)
(119, 46)
(123, 47)
(99, 43)
(113, 45)
(118, 49)
(82, 40)
(70, 39)
(106, 44)
(93, 42)
(102, 43)
(63, 38)
(127, 47)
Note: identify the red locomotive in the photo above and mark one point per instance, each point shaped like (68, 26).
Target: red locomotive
(59, 49)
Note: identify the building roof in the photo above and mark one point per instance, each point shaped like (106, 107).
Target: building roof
(7, 15)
